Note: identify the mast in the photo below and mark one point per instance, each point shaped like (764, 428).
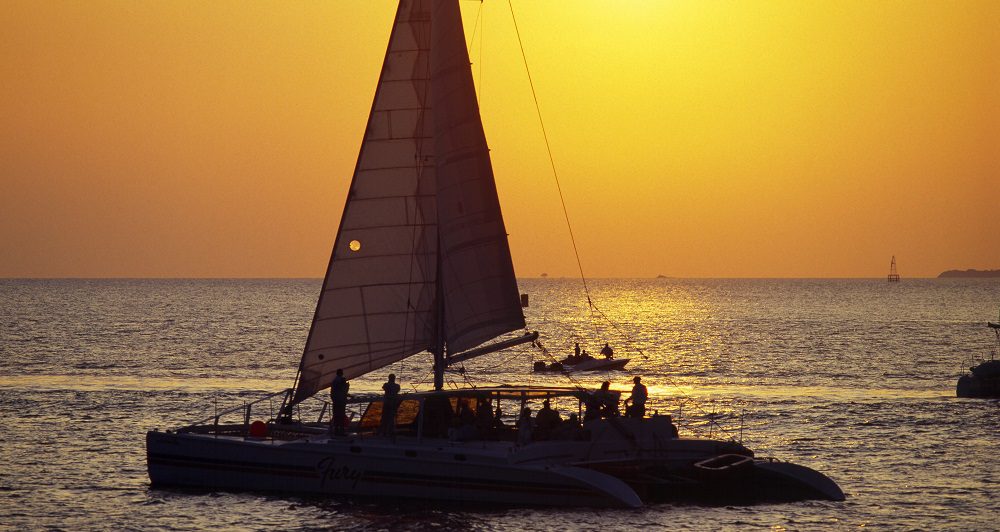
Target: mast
(439, 342)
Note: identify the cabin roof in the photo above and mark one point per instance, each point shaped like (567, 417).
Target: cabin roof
(504, 392)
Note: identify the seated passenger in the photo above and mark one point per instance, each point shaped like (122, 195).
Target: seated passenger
(484, 420)
(592, 408)
(464, 425)
(545, 421)
(606, 400)
(524, 427)
(673, 428)
(568, 430)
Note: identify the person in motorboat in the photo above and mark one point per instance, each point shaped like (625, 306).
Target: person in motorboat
(607, 351)
(524, 427)
(575, 357)
(389, 405)
(338, 400)
(546, 420)
(637, 408)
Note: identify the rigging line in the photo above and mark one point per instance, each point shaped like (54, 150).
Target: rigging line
(548, 148)
(479, 26)
(482, 45)
(710, 420)
(628, 339)
(475, 25)
(565, 372)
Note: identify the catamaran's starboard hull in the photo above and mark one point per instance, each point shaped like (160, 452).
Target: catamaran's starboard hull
(388, 471)
(760, 481)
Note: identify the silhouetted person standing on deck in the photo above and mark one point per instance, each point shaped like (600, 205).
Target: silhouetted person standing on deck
(638, 399)
(338, 400)
(389, 405)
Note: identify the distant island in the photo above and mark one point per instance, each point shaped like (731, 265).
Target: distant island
(969, 273)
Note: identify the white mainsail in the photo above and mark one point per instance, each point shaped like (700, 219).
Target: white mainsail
(377, 302)
(421, 258)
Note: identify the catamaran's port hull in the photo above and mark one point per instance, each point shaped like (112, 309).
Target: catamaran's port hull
(342, 468)
(475, 473)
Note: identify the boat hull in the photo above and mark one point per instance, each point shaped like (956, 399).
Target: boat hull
(759, 481)
(971, 386)
(594, 364)
(624, 463)
(385, 470)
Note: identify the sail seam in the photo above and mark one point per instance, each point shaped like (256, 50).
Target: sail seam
(383, 255)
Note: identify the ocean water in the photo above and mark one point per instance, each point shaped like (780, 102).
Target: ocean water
(855, 378)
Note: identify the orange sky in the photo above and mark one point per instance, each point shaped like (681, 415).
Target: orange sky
(709, 139)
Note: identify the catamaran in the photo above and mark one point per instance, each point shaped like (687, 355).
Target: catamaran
(420, 264)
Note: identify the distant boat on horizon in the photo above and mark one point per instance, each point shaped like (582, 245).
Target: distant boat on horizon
(978, 274)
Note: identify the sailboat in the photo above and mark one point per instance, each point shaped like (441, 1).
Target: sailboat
(421, 264)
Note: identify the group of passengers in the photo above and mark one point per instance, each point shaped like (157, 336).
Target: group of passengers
(604, 403)
(482, 422)
(548, 425)
(583, 356)
(338, 400)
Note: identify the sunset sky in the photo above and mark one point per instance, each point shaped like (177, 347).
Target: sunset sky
(702, 139)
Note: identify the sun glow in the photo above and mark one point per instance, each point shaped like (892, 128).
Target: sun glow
(701, 138)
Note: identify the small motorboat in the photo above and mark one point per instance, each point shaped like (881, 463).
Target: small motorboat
(583, 364)
(600, 364)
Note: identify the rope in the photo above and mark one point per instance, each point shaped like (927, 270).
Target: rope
(548, 149)
(576, 252)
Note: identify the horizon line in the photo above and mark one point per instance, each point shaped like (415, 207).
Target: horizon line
(550, 277)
